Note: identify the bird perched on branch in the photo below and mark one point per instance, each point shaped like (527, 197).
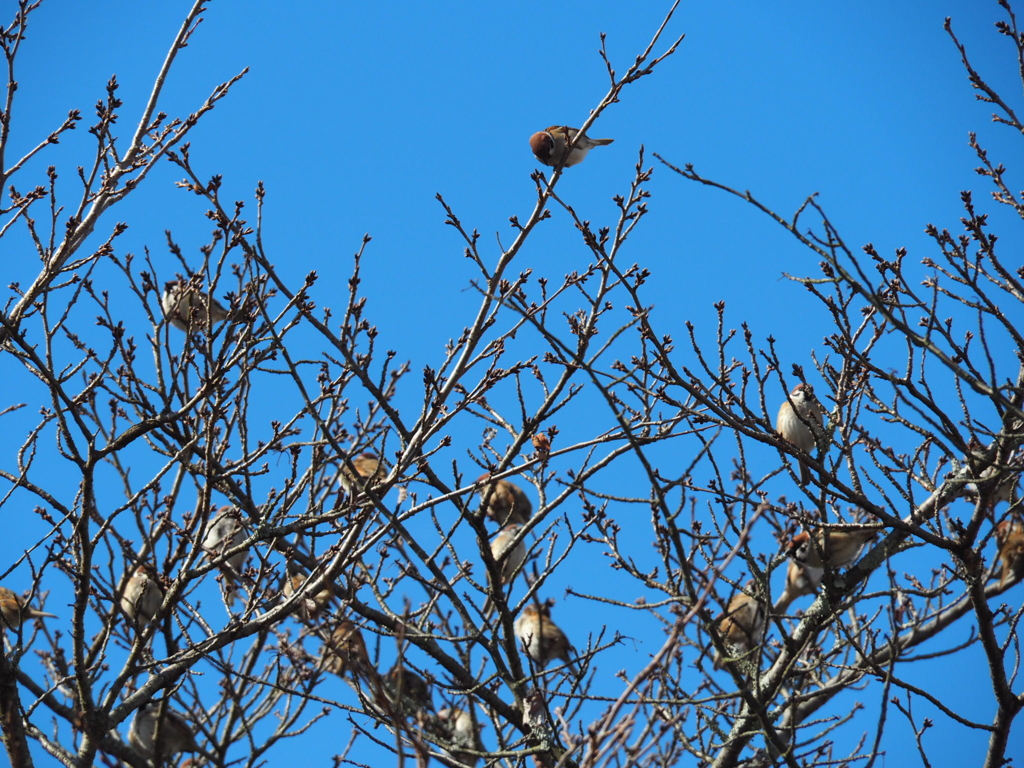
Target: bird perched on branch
(506, 502)
(344, 652)
(541, 637)
(802, 426)
(311, 605)
(369, 469)
(184, 304)
(456, 726)
(15, 609)
(508, 558)
(551, 145)
(829, 546)
(156, 729)
(143, 595)
(404, 687)
(1010, 538)
(225, 533)
(742, 624)
(800, 581)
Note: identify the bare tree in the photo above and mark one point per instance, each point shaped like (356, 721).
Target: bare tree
(258, 537)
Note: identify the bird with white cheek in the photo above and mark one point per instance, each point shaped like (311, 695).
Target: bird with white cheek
(156, 729)
(1010, 538)
(506, 501)
(800, 581)
(508, 558)
(742, 624)
(832, 547)
(142, 596)
(541, 637)
(802, 427)
(551, 145)
(224, 534)
(184, 304)
(456, 726)
(15, 609)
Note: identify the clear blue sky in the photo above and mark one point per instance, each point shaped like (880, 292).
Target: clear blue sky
(355, 115)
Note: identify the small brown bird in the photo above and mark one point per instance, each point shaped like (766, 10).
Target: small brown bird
(344, 652)
(369, 468)
(184, 305)
(508, 558)
(802, 427)
(836, 548)
(224, 533)
(800, 581)
(1010, 538)
(311, 605)
(157, 729)
(550, 145)
(742, 624)
(456, 726)
(143, 595)
(15, 609)
(401, 683)
(506, 502)
(541, 637)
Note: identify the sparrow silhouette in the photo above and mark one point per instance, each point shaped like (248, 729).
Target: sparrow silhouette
(456, 727)
(344, 652)
(184, 304)
(551, 144)
(369, 468)
(157, 730)
(541, 638)
(801, 427)
(506, 502)
(507, 557)
(143, 595)
(311, 605)
(224, 533)
(742, 624)
(1010, 539)
(402, 684)
(15, 609)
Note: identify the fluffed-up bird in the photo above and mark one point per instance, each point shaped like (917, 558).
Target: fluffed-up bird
(184, 304)
(506, 501)
(742, 624)
(508, 558)
(1010, 539)
(143, 595)
(15, 609)
(344, 652)
(311, 606)
(803, 426)
(369, 469)
(403, 685)
(456, 726)
(224, 533)
(550, 145)
(541, 637)
(156, 729)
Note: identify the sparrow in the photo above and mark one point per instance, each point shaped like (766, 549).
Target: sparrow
(311, 605)
(184, 305)
(800, 581)
(142, 596)
(1010, 538)
(742, 624)
(508, 558)
(1006, 488)
(15, 609)
(456, 727)
(541, 637)
(401, 683)
(344, 651)
(369, 469)
(225, 532)
(506, 502)
(831, 547)
(550, 145)
(175, 732)
(803, 427)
